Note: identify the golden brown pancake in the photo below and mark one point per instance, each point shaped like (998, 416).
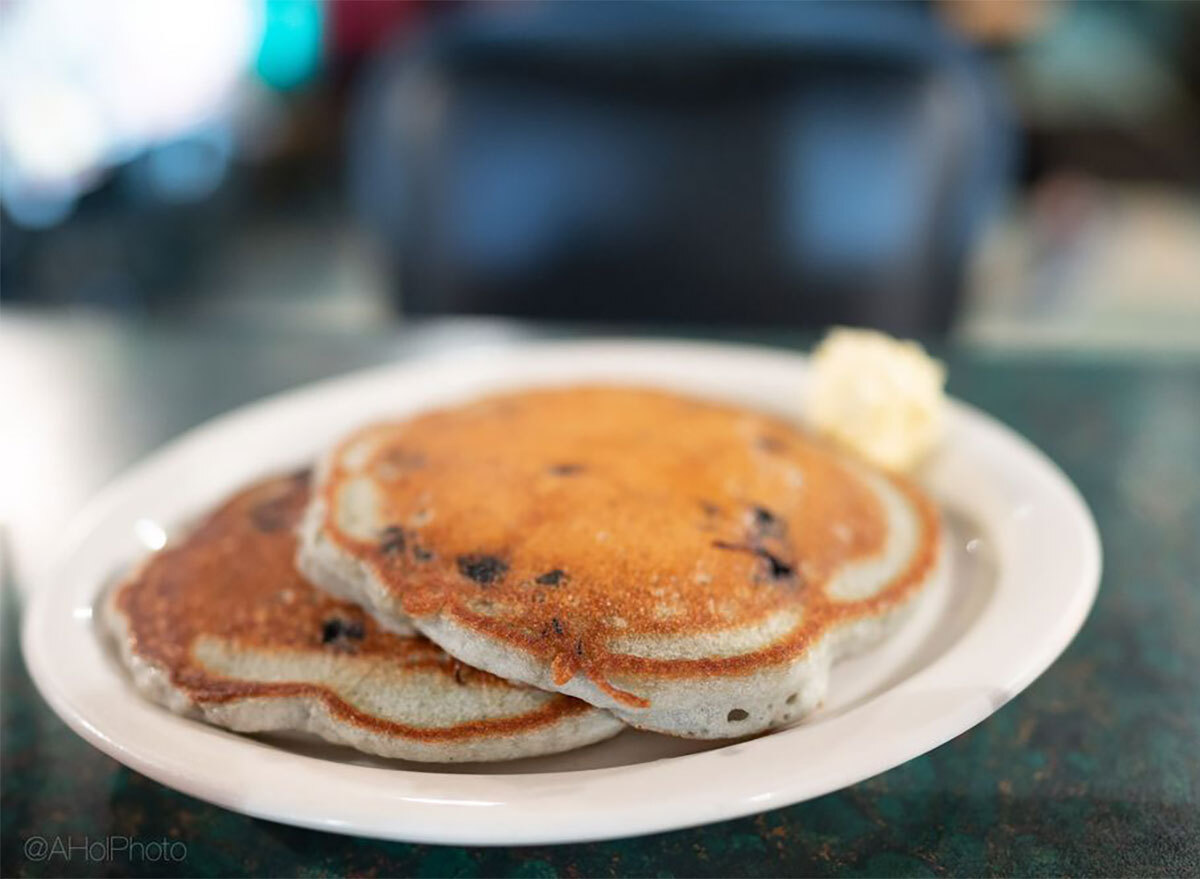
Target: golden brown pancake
(654, 554)
(223, 624)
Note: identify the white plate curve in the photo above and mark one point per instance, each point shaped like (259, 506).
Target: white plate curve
(1026, 572)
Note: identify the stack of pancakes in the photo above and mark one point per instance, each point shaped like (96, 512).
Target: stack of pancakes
(528, 573)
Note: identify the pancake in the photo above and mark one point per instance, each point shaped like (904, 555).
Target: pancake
(222, 627)
(695, 568)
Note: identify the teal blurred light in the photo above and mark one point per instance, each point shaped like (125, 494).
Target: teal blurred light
(290, 52)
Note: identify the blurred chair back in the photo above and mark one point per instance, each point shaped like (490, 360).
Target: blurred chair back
(777, 163)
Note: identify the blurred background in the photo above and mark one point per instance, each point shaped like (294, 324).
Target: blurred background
(1009, 173)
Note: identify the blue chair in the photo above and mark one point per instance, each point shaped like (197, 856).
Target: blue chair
(793, 164)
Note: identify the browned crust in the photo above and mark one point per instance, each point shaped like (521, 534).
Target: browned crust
(233, 578)
(522, 484)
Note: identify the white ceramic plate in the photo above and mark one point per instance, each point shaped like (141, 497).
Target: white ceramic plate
(1025, 571)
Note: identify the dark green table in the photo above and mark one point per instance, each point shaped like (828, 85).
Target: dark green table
(1093, 770)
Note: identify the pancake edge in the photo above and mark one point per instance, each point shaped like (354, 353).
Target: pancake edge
(702, 706)
(310, 713)
(688, 706)
(321, 562)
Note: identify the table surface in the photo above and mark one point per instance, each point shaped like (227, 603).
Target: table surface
(1095, 769)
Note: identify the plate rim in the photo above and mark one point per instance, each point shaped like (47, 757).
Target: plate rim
(457, 819)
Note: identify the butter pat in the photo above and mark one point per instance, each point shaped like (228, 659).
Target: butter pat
(878, 396)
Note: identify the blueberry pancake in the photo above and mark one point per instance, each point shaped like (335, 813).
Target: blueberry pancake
(222, 627)
(693, 567)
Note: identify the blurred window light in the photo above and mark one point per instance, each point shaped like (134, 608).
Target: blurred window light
(52, 132)
(84, 86)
